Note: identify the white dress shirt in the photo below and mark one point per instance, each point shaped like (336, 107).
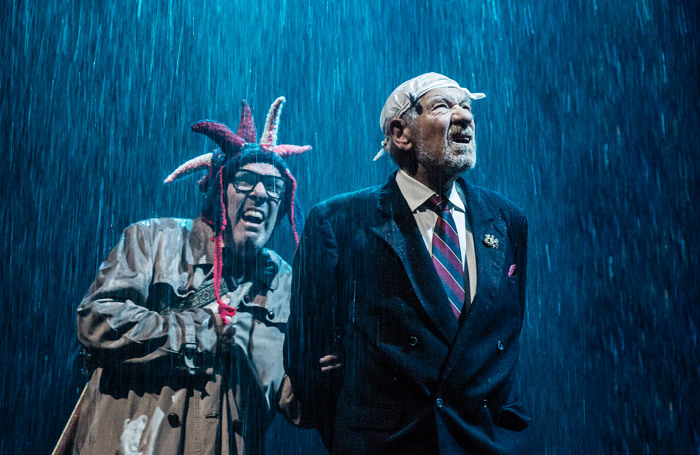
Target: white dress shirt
(416, 194)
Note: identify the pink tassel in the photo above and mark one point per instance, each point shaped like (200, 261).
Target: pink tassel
(224, 309)
(291, 210)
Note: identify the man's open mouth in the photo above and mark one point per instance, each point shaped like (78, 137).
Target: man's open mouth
(254, 216)
(462, 138)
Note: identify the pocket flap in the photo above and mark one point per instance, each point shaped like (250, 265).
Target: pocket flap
(513, 417)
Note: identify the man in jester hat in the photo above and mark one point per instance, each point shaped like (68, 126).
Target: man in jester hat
(184, 325)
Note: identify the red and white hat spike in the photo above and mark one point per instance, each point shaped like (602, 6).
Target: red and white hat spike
(233, 143)
(188, 167)
(269, 137)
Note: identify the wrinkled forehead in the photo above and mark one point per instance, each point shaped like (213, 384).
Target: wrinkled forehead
(450, 94)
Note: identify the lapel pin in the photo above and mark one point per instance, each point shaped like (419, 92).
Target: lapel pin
(491, 241)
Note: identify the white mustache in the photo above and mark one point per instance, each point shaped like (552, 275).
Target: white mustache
(469, 131)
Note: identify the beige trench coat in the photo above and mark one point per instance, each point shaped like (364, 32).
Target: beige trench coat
(163, 381)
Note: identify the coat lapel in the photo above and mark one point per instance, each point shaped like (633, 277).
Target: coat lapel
(397, 227)
(485, 221)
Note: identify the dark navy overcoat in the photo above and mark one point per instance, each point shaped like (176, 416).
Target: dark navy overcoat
(415, 380)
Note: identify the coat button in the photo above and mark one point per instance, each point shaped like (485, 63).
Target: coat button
(439, 402)
(500, 346)
(174, 420)
(270, 315)
(237, 425)
(486, 402)
(412, 341)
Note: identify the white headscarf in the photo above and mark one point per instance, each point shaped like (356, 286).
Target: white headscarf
(406, 95)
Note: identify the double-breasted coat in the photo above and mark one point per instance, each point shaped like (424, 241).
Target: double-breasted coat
(415, 379)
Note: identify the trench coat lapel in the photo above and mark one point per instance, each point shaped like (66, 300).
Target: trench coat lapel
(484, 220)
(397, 227)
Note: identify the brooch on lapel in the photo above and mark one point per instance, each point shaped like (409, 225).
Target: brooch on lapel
(491, 241)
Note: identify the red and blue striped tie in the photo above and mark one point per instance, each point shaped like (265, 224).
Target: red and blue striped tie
(447, 256)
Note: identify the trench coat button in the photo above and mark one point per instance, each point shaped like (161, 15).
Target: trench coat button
(439, 402)
(270, 315)
(237, 425)
(174, 420)
(500, 345)
(486, 402)
(413, 341)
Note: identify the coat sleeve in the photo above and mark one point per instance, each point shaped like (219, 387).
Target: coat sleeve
(313, 322)
(117, 328)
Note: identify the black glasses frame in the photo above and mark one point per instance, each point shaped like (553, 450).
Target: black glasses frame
(274, 185)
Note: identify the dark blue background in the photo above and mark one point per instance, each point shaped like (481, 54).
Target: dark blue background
(590, 123)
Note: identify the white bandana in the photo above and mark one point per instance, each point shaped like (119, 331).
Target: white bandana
(406, 95)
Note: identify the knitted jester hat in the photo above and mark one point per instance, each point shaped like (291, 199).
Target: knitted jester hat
(237, 150)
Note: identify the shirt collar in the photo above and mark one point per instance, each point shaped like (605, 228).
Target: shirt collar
(416, 193)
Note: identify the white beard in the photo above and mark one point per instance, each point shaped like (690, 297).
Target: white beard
(450, 164)
(465, 160)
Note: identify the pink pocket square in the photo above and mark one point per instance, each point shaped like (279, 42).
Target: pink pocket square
(511, 270)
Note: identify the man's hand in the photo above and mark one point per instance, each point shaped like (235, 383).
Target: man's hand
(330, 362)
(226, 331)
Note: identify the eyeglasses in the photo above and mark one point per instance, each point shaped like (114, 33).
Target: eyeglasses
(245, 180)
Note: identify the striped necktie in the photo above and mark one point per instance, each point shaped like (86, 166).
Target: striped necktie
(447, 256)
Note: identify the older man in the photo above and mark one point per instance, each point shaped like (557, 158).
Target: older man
(420, 286)
(184, 324)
